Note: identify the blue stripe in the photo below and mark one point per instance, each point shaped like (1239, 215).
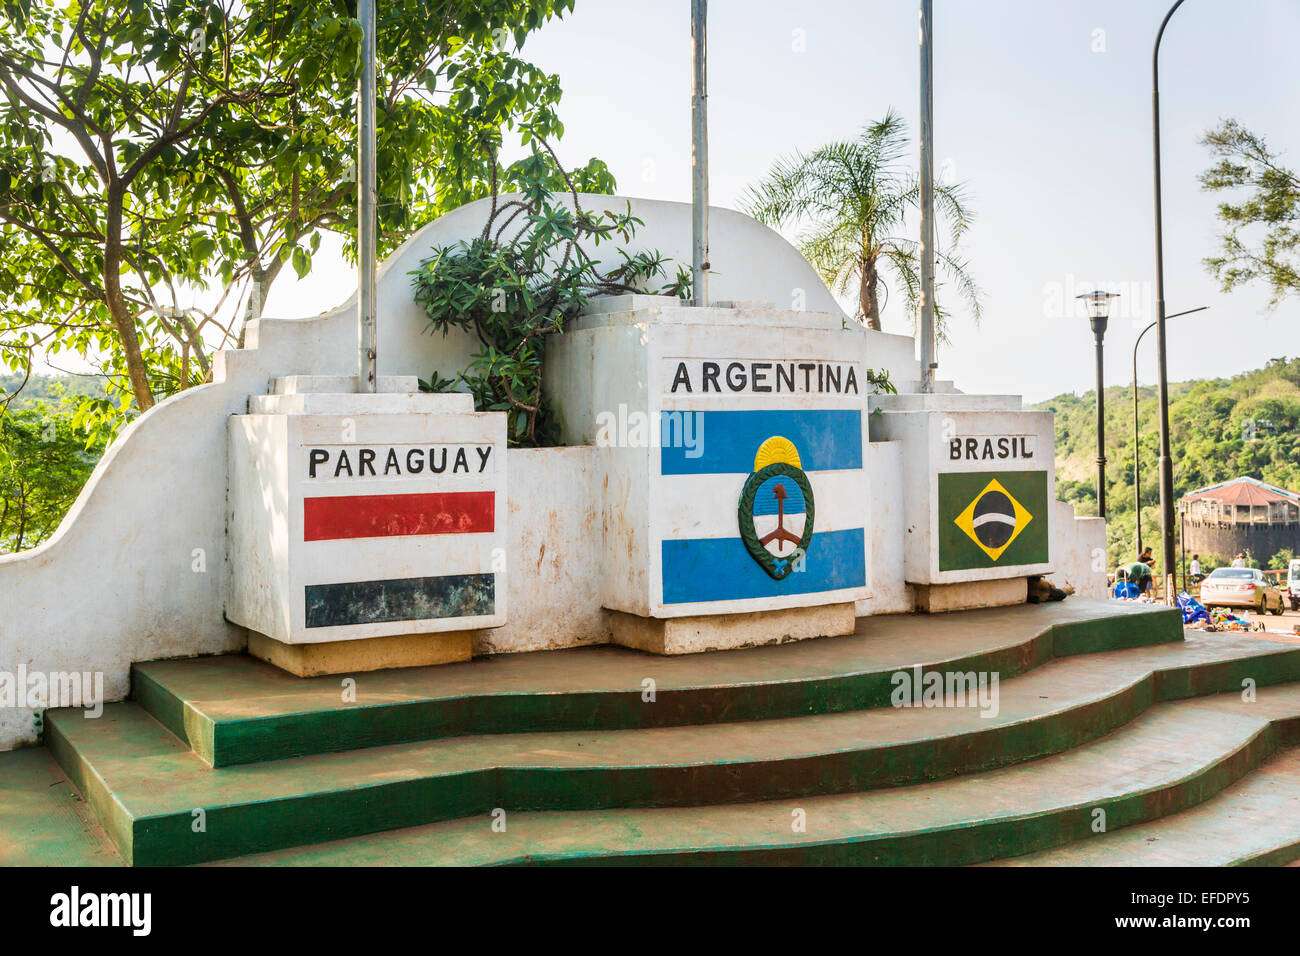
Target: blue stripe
(720, 569)
(716, 443)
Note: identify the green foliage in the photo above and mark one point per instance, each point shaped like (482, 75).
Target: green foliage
(1281, 561)
(150, 148)
(47, 388)
(851, 200)
(517, 283)
(1262, 237)
(1219, 429)
(44, 461)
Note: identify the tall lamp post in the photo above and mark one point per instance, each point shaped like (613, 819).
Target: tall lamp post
(1098, 304)
(1137, 474)
(1166, 457)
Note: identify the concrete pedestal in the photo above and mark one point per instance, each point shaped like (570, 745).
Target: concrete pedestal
(980, 478)
(732, 442)
(366, 530)
(724, 632)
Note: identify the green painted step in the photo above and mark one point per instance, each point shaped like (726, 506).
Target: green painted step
(146, 785)
(236, 710)
(1255, 822)
(1175, 756)
(43, 820)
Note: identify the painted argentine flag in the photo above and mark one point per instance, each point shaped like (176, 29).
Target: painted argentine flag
(703, 555)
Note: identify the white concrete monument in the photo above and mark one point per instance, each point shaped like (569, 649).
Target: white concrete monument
(365, 530)
(735, 483)
(776, 508)
(980, 477)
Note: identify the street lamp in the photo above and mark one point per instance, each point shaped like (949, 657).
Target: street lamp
(1137, 475)
(1166, 456)
(1098, 304)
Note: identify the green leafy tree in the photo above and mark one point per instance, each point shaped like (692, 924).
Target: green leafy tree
(1262, 238)
(44, 461)
(148, 149)
(850, 201)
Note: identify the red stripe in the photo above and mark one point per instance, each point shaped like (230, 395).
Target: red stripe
(381, 516)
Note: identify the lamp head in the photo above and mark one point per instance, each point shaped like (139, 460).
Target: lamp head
(1098, 304)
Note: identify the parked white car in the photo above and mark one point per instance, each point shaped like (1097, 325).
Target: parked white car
(1293, 584)
(1241, 587)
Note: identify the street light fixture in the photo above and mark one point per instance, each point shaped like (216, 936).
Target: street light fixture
(1098, 304)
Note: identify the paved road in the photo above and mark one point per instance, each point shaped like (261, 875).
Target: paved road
(1285, 628)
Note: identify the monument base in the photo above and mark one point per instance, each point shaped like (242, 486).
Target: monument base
(937, 598)
(722, 632)
(371, 654)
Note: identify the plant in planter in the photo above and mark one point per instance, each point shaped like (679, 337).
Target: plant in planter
(523, 277)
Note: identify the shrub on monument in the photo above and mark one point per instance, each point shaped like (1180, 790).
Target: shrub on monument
(531, 269)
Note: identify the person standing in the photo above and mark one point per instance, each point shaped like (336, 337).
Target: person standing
(1194, 570)
(1239, 561)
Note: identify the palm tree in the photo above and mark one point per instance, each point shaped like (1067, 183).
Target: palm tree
(850, 200)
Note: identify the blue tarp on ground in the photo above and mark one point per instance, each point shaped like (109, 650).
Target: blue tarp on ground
(1193, 610)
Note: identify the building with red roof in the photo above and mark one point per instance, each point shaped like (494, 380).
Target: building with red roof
(1244, 514)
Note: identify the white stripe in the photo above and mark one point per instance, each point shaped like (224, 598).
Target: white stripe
(999, 518)
(704, 506)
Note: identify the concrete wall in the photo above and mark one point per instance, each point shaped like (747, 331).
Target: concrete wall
(1078, 552)
(1262, 541)
(890, 593)
(553, 553)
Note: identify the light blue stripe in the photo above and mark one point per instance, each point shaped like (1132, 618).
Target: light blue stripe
(721, 569)
(725, 442)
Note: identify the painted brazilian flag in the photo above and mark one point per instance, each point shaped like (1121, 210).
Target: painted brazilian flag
(992, 519)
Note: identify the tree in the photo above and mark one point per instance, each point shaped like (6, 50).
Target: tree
(851, 200)
(1261, 241)
(149, 148)
(44, 461)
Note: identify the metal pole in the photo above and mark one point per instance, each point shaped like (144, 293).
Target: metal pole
(366, 201)
(700, 154)
(928, 364)
(1166, 456)
(1182, 541)
(1099, 332)
(1137, 475)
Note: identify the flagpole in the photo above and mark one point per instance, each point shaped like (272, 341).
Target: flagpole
(366, 202)
(699, 155)
(927, 198)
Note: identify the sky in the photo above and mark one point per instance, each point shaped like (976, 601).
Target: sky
(1043, 111)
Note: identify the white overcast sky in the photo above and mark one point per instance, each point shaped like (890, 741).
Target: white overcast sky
(1051, 136)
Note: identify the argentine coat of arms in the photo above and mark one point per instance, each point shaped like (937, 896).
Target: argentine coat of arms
(776, 508)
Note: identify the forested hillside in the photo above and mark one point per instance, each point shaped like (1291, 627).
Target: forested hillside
(1219, 429)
